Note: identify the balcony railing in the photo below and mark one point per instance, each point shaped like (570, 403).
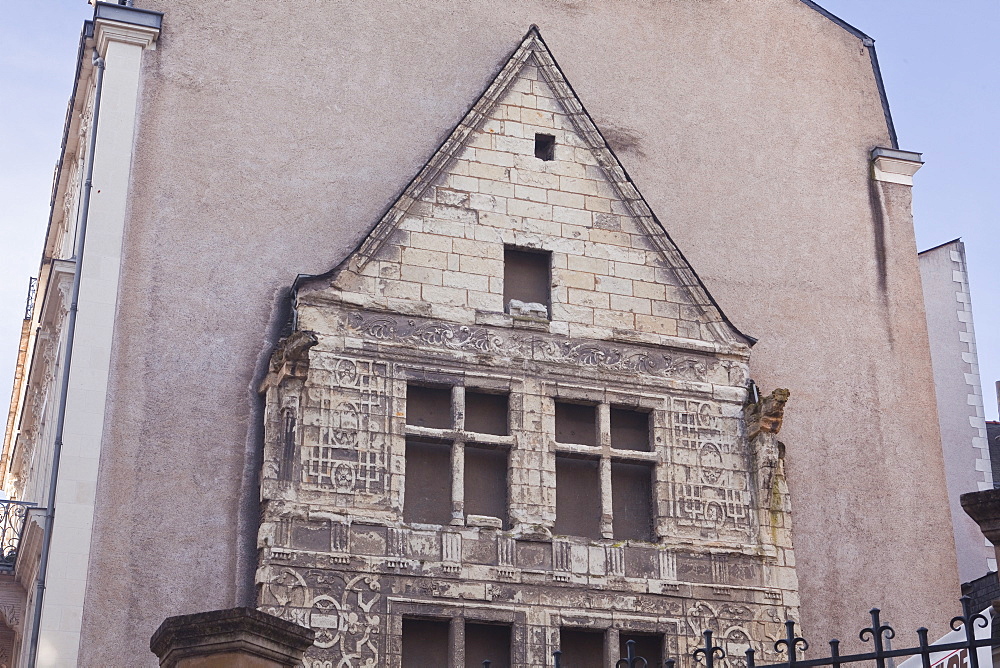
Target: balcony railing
(12, 517)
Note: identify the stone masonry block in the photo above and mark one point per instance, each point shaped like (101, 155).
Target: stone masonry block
(518, 207)
(532, 177)
(530, 193)
(588, 264)
(618, 286)
(499, 158)
(457, 279)
(483, 266)
(633, 304)
(483, 170)
(598, 204)
(615, 319)
(486, 202)
(434, 242)
(588, 298)
(571, 200)
(575, 279)
(572, 216)
(636, 272)
(656, 325)
(425, 258)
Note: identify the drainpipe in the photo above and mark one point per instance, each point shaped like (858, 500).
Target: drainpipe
(81, 236)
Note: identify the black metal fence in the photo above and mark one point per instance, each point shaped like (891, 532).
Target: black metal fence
(12, 517)
(792, 646)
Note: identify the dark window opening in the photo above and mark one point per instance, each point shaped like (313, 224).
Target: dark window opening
(428, 407)
(526, 278)
(647, 645)
(486, 642)
(425, 643)
(581, 649)
(629, 429)
(576, 423)
(578, 497)
(486, 413)
(486, 482)
(631, 500)
(427, 496)
(545, 147)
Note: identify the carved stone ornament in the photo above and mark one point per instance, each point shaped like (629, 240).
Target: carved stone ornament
(451, 336)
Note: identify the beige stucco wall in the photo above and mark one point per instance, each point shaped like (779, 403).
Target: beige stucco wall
(272, 135)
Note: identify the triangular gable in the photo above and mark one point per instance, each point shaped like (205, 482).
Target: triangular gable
(534, 52)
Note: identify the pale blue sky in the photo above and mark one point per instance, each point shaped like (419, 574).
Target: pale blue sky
(939, 60)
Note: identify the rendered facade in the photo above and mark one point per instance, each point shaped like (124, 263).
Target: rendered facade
(200, 465)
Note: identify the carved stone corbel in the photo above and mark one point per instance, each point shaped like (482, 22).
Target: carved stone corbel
(290, 358)
(764, 418)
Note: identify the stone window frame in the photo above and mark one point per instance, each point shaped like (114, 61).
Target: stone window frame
(604, 399)
(457, 437)
(456, 615)
(613, 627)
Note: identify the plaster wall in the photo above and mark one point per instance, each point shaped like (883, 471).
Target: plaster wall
(959, 397)
(271, 136)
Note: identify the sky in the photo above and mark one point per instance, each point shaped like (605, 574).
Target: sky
(939, 61)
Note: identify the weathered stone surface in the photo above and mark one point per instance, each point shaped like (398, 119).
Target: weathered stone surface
(235, 638)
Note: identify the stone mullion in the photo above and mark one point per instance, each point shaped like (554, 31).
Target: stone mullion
(611, 649)
(532, 474)
(456, 642)
(458, 456)
(604, 440)
(458, 482)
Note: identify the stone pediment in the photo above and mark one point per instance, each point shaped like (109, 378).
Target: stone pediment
(439, 249)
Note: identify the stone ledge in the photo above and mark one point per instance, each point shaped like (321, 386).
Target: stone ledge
(237, 633)
(895, 166)
(984, 508)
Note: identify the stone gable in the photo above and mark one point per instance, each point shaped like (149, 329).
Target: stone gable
(439, 251)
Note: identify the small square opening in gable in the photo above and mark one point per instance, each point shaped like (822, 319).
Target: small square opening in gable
(545, 147)
(527, 280)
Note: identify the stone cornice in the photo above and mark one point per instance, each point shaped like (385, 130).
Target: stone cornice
(106, 31)
(241, 631)
(894, 166)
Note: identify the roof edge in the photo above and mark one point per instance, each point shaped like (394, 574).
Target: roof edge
(941, 245)
(869, 43)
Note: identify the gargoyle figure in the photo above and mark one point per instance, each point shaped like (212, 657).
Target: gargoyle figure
(290, 358)
(763, 423)
(766, 414)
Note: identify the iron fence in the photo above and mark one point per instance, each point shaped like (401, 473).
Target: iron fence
(792, 646)
(12, 517)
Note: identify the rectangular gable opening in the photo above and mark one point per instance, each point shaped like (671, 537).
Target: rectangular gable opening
(486, 482)
(427, 493)
(576, 423)
(486, 413)
(425, 643)
(632, 500)
(629, 430)
(581, 649)
(486, 642)
(428, 407)
(527, 281)
(647, 645)
(545, 146)
(578, 497)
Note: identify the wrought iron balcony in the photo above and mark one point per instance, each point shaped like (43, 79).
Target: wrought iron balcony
(12, 517)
